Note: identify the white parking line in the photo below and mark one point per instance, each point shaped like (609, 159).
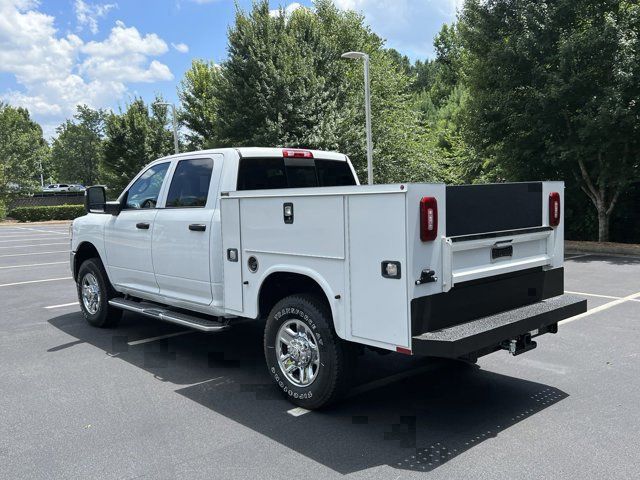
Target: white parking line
(601, 296)
(578, 256)
(36, 245)
(24, 236)
(33, 253)
(296, 412)
(61, 305)
(34, 281)
(606, 306)
(30, 237)
(160, 337)
(59, 232)
(33, 265)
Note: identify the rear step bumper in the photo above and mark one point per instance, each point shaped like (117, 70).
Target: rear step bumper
(161, 313)
(487, 334)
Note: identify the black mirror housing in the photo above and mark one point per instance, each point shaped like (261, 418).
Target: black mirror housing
(112, 208)
(95, 199)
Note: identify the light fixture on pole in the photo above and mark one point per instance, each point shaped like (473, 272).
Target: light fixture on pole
(175, 123)
(367, 108)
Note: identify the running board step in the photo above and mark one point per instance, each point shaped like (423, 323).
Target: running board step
(161, 313)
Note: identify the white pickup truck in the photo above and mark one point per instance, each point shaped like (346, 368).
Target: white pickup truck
(290, 238)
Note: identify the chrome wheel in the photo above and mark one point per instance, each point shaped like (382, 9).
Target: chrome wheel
(90, 293)
(297, 353)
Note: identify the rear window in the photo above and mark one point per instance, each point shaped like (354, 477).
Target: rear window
(270, 173)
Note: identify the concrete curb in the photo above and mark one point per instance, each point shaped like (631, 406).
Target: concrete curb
(602, 247)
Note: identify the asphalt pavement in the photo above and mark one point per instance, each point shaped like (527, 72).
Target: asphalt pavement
(153, 400)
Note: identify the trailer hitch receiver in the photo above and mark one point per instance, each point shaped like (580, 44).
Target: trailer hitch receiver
(519, 345)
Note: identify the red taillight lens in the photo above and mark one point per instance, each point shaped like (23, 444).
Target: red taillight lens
(428, 219)
(554, 209)
(297, 154)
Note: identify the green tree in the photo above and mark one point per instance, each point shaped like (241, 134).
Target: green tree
(447, 66)
(134, 138)
(76, 154)
(22, 152)
(199, 109)
(284, 83)
(555, 90)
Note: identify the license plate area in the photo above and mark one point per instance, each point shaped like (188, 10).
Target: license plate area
(502, 252)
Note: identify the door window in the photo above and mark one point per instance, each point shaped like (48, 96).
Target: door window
(145, 190)
(190, 183)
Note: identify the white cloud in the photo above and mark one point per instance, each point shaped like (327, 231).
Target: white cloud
(288, 10)
(56, 72)
(181, 47)
(408, 25)
(88, 14)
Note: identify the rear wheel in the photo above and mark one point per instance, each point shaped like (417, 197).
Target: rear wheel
(305, 357)
(94, 293)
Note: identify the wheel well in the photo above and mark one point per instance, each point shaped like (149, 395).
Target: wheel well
(84, 252)
(282, 284)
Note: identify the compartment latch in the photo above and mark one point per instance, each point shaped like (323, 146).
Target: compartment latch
(427, 276)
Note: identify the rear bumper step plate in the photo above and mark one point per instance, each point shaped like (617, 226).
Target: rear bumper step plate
(483, 333)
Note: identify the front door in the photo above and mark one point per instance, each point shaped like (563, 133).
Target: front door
(183, 232)
(128, 235)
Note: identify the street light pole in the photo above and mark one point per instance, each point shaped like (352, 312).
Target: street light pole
(174, 122)
(367, 109)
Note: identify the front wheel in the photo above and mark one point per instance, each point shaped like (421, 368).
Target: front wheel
(305, 357)
(94, 293)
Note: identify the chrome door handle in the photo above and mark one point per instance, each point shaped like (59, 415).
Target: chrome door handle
(197, 227)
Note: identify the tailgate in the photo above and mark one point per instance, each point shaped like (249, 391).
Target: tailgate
(497, 229)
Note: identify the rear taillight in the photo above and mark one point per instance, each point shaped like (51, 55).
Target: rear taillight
(290, 153)
(554, 209)
(428, 219)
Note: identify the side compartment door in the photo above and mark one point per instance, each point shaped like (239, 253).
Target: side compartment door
(182, 233)
(232, 254)
(128, 234)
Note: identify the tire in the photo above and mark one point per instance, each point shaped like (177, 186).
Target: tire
(311, 318)
(103, 315)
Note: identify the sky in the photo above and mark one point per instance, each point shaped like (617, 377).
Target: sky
(56, 54)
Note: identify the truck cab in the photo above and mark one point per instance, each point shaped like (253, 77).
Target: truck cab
(289, 237)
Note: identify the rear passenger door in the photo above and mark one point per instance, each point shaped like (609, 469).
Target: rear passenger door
(183, 231)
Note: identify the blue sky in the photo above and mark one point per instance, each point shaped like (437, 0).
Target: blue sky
(55, 54)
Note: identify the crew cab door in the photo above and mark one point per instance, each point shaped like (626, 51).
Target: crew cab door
(184, 233)
(128, 235)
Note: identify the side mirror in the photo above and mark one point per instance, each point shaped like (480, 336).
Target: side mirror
(95, 199)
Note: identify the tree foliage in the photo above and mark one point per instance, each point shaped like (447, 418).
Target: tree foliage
(284, 83)
(76, 153)
(555, 89)
(134, 138)
(23, 151)
(199, 109)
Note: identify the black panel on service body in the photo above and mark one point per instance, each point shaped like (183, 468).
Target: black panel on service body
(492, 208)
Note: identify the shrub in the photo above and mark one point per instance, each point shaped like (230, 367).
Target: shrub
(55, 212)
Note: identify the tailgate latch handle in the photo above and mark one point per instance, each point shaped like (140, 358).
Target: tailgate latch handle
(427, 276)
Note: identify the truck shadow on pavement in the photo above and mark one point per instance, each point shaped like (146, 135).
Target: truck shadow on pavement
(416, 423)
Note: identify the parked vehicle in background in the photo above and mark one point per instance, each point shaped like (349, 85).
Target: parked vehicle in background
(56, 188)
(77, 188)
(288, 237)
